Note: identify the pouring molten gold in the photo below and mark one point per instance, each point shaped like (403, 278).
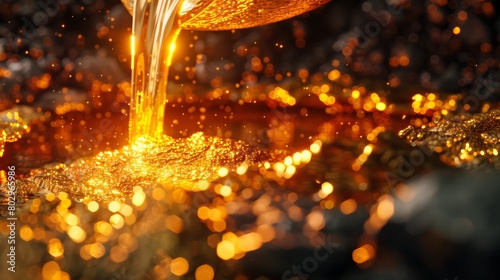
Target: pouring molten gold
(156, 24)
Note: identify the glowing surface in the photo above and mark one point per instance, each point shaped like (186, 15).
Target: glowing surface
(237, 14)
(189, 163)
(461, 139)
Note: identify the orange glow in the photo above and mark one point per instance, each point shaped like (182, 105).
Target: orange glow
(103, 228)
(333, 75)
(179, 266)
(204, 272)
(179, 195)
(77, 234)
(114, 206)
(225, 250)
(118, 254)
(71, 219)
(380, 106)
(242, 169)
(26, 233)
(404, 61)
(51, 270)
(225, 190)
(316, 147)
(55, 248)
(223, 172)
(316, 220)
(462, 15)
(219, 225)
(327, 188)
(97, 250)
(203, 212)
(218, 213)
(355, 94)
(249, 242)
(385, 209)
(158, 194)
(283, 96)
(93, 206)
(348, 207)
(363, 254)
(138, 198)
(266, 232)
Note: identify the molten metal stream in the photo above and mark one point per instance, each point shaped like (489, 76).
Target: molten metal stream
(155, 28)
